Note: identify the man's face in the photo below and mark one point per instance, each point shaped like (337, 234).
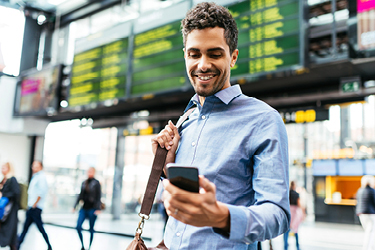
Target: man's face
(208, 60)
(36, 167)
(90, 173)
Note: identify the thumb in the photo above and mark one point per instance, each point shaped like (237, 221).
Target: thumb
(170, 123)
(206, 185)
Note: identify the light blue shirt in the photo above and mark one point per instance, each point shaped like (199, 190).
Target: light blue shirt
(240, 144)
(38, 187)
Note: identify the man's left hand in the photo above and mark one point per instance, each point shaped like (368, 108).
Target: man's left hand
(196, 209)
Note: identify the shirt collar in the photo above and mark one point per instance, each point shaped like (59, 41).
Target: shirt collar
(37, 173)
(225, 95)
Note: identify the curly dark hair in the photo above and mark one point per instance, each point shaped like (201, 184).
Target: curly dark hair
(210, 15)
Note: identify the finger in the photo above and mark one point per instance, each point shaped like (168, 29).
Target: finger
(163, 141)
(178, 196)
(206, 185)
(174, 129)
(169, 128)
(168, 133)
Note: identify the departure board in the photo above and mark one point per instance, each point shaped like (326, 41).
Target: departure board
(99, 74)
(269, 36)
(158, 60)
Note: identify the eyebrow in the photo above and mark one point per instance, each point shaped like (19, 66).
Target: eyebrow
(209, 50)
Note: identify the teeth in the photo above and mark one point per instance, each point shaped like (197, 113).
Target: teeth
(205, 78)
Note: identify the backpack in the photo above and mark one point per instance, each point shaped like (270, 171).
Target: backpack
(23, 196)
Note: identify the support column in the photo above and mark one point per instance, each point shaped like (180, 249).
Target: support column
(344, 126)
(119, 171)
(305, 134)
(30, 46)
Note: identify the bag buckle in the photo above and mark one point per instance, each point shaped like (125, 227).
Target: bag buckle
(141, 223)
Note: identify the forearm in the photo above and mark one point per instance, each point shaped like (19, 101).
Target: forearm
(256, 223)
(36, 202)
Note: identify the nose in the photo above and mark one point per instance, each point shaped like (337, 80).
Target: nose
(204, 63)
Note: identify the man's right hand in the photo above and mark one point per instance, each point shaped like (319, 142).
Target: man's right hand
(168, 138)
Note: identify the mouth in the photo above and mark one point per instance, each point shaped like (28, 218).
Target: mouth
(205, 78)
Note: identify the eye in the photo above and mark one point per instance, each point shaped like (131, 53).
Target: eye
(193, 55)
(215, 56)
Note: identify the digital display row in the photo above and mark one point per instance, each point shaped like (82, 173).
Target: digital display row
(268, 37)
(158, 60)
(99, 74)
(268, 40)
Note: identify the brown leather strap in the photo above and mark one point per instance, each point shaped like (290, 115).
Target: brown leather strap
(153, 180)
(156, 171)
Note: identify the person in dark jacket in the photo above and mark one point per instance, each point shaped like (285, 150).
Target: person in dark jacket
(90, 195)
(9, 188)
(365, 209)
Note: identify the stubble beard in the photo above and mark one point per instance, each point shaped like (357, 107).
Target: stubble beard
(210, 89)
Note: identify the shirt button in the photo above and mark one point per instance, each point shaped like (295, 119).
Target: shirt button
(178, 234)
(193, 144)
(203, 117)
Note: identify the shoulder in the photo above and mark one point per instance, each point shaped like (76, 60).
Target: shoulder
(294, 193)
(253, 106)
(12, 180)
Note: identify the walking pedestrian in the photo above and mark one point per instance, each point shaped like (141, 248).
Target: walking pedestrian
(365, 209)
(9, 189)
(37, 193)
(297, 215)
(90, 195)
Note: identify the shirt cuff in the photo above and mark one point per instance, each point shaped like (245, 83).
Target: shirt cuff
(238, 224)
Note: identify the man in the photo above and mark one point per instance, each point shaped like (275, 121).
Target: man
(37, 193)
(238, 143)
(365, 209)
(90, 195)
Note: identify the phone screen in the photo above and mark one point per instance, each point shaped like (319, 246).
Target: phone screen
(184, 177)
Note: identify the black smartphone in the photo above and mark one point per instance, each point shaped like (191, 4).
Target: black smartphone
(183, 177)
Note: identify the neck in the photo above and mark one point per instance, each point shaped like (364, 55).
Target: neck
(201, 100)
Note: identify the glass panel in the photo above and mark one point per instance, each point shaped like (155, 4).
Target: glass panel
(12, 24)
(69, 150)
(138, 162)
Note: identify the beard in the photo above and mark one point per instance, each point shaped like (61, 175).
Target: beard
(211, 89)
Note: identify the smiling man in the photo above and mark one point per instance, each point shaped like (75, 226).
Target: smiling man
(238, 143)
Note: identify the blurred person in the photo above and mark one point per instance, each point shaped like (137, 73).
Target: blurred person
(297, 213)
(365, 209)
(238, 143)
(90, 195)
(37, 192)
(10, 189)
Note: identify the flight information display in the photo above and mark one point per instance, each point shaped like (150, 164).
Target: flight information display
(269, 36)
(158, 60)
(269, 41)
(99, 74)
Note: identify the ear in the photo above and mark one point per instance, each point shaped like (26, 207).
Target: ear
(184, 50)
(234, 58)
